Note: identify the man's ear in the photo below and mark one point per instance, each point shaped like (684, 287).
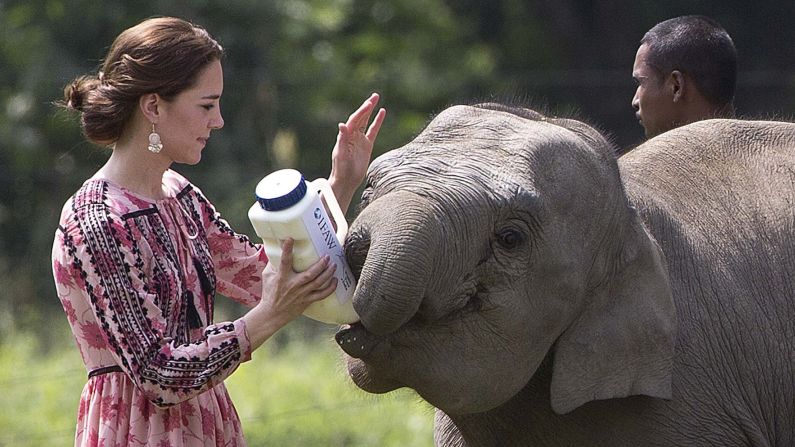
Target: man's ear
(677, 85)
(150, 106)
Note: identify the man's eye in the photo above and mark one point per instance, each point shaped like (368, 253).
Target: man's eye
(208, 106)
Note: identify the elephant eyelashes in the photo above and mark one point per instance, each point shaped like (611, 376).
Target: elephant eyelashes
(366, 194)
(509, 238)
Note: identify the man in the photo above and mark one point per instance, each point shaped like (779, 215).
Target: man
(685, 70)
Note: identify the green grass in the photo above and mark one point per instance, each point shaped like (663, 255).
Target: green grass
(293, 393)
(40, 391)
(301, 396)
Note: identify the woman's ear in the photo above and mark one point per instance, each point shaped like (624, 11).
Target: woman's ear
(150, 104)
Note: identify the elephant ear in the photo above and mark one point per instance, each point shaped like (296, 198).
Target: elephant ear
(623, 342)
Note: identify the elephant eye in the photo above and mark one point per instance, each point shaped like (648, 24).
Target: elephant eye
(509, 238)
(367, 194)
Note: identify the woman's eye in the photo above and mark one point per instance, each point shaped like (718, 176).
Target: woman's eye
(208, 106)
(509, 238)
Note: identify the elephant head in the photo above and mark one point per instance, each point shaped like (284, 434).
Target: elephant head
(495, 239)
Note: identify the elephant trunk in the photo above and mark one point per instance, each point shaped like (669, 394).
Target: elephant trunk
(392, 243)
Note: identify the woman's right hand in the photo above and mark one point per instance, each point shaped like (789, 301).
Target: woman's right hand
(286, 294)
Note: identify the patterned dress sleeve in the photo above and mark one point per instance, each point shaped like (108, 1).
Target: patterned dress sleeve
(238, 261)
(101, 276)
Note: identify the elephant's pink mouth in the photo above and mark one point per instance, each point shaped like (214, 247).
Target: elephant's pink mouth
(356, 340)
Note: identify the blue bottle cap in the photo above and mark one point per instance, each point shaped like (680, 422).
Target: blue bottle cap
(280, 189)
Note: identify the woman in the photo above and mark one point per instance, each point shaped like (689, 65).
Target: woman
(140, 252)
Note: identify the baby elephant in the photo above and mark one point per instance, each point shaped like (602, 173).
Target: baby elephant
(539, 292)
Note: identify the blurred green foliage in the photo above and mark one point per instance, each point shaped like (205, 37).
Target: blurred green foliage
(294, 68)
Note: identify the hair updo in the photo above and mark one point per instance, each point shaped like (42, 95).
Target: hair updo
(161, 55)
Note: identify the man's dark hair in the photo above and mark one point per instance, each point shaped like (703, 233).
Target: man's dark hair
(698, 47)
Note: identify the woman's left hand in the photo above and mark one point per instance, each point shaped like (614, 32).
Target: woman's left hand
(351, 155)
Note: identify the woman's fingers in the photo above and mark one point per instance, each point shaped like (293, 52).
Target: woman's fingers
(316, 269)
(286, 264)
(323, 292)
(323, 285)
(363, 112)
(318, 275)
(314, 284)
(375, 127)
(358, 119)
(327, 275)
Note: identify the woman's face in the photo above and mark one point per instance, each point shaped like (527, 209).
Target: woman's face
(188, 119)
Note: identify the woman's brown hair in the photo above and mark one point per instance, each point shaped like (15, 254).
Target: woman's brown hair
(161, 55)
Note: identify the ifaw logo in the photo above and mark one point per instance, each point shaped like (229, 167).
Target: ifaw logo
(329, 237)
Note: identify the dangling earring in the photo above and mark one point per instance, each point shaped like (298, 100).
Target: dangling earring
(155, 146)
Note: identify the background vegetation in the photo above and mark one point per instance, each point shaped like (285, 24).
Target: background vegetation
(295, 68)
(289, 394)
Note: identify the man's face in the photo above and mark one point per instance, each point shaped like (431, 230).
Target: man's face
(653, 101)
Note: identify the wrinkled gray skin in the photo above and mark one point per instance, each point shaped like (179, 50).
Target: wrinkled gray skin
(509, 277)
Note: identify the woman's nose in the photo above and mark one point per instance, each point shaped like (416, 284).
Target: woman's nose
(217, 122)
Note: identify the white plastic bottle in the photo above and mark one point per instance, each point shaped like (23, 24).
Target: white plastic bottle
(288, 206)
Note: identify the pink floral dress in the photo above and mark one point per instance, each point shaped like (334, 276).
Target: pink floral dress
(137, 279)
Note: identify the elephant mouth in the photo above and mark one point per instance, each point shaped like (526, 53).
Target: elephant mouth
(357, 341)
